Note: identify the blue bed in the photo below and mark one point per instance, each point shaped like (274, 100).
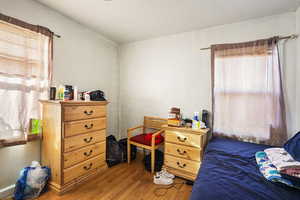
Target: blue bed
(229, 172)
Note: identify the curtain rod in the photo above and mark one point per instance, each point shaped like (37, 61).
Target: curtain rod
(23, 24)
(58, 36)
(293, 36)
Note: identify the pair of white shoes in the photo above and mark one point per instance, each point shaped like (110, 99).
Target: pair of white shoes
(163, 178)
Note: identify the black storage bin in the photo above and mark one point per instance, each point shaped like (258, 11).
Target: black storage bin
(159, 161)
(116, 152)
(113, 151)
(123, 148)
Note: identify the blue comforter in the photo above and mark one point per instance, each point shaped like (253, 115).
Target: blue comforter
(229, 172)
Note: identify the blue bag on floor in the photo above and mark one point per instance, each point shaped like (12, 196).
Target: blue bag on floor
(32, 181)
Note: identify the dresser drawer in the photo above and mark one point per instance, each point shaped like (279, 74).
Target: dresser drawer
(84, 126)
(182, 151)
(182, 164)
(71, 113)
(83, 154)
(183, 138)
(79, 141)
(83, 168)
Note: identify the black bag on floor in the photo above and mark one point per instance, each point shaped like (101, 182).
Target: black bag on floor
(123, 147)
(159, 161)
(113, 151)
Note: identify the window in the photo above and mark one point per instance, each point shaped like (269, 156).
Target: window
(25, 75)
(248, 100)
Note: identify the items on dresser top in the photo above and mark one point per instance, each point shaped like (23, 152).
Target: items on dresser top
(97, 95)
(205, 118)
(61, 92)
(187, 123)
(93, 95)
(68, 92)
(184, 150)
(74, 141)
(196, 121)
(174, 117)
(52, 93)
(64, 92)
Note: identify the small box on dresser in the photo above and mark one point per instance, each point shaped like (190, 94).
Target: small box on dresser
(74, 141)
(184, 149)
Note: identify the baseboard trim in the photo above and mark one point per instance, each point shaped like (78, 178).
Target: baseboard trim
(7, 192)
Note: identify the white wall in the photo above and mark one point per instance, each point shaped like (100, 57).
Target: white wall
(81, 57)
(169, 71)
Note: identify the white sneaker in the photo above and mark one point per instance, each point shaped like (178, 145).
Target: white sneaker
(166, 174)
(161, 180)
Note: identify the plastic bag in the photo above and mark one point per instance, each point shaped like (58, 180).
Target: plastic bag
(32, 181)
(123, 148)
(113, 151)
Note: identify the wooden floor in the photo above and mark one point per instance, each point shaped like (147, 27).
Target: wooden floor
(124, 182)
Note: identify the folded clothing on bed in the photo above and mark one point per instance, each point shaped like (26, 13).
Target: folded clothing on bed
(283, 161)
(291, 172)
(269, 171)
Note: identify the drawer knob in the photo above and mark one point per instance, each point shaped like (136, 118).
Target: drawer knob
(88, 112)
(181, 152)
(88, 140)
(181, 139)
(89, 127)
(181, 166)
(87, 154)
(88, 167)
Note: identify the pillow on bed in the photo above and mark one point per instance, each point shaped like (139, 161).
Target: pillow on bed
(292, 146)
(269, 171)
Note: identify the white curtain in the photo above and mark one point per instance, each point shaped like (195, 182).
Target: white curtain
(24, 77)
(247, 92)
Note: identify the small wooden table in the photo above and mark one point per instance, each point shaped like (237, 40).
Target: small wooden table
(184, 149)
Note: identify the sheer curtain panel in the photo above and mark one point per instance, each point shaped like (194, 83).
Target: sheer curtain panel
(248, 102)
(25, 74)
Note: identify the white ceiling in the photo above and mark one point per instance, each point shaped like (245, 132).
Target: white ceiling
(130, 20)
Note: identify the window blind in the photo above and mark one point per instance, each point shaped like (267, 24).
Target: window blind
(24, 77)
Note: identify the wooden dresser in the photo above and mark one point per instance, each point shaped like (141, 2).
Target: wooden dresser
(184, 150)
(73, 145)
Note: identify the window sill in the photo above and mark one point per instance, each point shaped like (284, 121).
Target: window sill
(19, 141)
(34, 137)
